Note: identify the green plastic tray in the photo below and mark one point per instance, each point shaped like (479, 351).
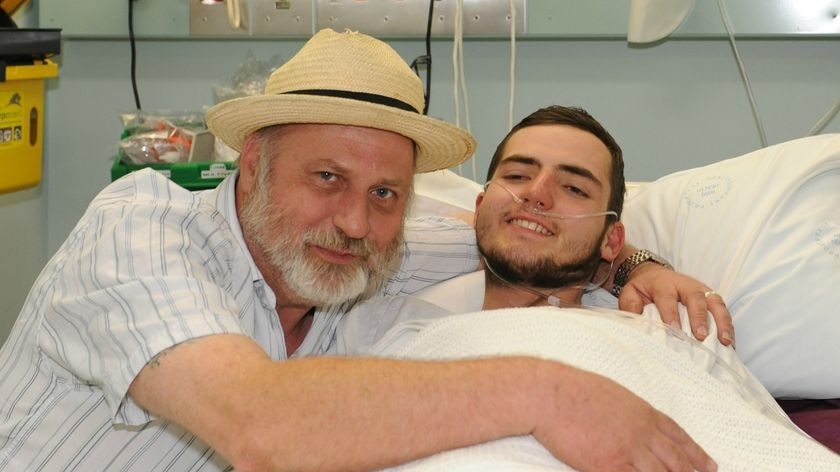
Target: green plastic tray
(190, 175)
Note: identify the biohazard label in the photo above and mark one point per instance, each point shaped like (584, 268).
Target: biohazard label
(11, 118)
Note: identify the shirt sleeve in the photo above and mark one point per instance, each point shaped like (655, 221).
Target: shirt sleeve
(136, 278)
(367, 323)
(436, 249)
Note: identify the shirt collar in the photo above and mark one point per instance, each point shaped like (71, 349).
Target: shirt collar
(223, 198)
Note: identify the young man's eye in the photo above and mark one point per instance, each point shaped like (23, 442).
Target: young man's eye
(577, 191)
(514, 177)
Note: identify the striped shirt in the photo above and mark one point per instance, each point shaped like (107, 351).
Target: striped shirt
(148, 266)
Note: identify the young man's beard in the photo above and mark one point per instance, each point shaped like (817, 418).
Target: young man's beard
(543, 272)
(309, 277)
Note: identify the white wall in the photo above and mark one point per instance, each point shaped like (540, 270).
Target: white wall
(676, 105)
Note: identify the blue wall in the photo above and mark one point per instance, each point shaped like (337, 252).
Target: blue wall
(672, 106)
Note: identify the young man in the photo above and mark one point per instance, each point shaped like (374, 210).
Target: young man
(548, 216)
(171, 330)
(550, 212)
(548, 219)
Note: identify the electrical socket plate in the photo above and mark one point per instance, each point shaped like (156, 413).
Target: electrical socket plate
(210, 18)
(282, 18)
(408, 18)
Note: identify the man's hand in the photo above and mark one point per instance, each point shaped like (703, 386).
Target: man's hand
(603, 426)
(652, 283)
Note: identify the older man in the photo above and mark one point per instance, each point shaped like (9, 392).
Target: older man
(171, 331)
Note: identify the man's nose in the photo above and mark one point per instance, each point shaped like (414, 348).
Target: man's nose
(352, 215)
(538, 193)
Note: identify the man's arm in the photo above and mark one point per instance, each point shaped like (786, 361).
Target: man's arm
(361, 414)
(653, 283)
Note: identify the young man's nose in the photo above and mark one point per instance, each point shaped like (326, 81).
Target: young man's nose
(538, 193)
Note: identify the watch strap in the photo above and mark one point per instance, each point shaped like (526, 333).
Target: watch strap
(628, 265)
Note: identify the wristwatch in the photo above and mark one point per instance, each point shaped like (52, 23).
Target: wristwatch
(635, 260)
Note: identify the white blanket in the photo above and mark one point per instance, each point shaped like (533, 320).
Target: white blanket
(723, 408)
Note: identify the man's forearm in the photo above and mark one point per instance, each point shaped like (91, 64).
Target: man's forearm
(338, 414)
(383, 412)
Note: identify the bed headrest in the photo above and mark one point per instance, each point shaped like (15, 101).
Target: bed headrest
(763, 229)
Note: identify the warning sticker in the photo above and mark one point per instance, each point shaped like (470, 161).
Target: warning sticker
(11, 118)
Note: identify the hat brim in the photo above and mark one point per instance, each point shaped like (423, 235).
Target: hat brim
(440, 145)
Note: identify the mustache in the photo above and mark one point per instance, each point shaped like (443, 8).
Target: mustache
(335, 240)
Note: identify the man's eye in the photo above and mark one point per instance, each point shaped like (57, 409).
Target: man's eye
(515, 177)
(383, 193)
(576, 191)
(327, 176)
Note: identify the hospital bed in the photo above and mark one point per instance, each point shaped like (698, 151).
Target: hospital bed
(763, 230)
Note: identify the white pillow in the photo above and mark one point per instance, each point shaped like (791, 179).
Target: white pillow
(763, 229)
(443, 193)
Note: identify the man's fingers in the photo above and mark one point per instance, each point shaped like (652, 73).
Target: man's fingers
(648, 460)
(723, 319)
(668, 309)
(698, 308)
(654, 283)
(631, 300)
(681, 447)
(699, 304)
(669, 457)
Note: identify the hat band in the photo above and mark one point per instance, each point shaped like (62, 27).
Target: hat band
(361, 96)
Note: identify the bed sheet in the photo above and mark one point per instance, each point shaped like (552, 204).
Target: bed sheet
(722, 411)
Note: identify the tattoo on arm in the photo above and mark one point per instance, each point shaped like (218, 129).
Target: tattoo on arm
(155, 361)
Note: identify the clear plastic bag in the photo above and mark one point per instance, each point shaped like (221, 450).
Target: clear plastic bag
(159, 137)
(248, 79)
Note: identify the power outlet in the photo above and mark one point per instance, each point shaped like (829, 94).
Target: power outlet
(211, 18)
(282, 17)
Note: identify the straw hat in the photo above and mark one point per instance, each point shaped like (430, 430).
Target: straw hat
(348, 79)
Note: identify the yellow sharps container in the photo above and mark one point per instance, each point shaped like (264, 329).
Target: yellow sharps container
(22, 123)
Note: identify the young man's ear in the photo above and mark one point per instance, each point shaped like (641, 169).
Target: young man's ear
(613, 241)
(478, 199)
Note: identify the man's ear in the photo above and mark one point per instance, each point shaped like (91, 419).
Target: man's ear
(478, 199)
(613, 241)
(249, 161)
